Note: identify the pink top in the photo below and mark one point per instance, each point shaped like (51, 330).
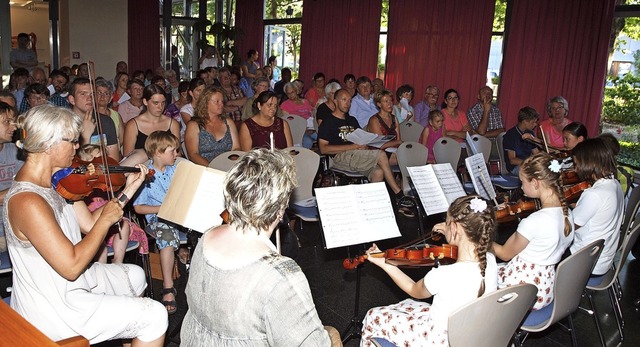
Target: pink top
(313, 96)
(433, 136)
(305, 110)
(553, 136)
(455, 124)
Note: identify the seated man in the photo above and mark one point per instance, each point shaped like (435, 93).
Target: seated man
(9, 162)
(484, 117)
(515, 144)
(363, 106)
(332, 135)
(58, 80)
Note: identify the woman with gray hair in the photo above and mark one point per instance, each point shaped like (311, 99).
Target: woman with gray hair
(327, 107)
(104, 93)
(55, 285)
(558, 111)
(252, 295)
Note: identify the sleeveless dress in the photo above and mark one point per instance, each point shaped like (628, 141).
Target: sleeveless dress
(387, 130)
(101, 304)
(209, 147)
(434, 135)
(260, 135)
(141, 138)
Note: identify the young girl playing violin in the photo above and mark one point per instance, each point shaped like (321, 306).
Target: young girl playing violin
(541, 239)
(598, 212)
(471, 227)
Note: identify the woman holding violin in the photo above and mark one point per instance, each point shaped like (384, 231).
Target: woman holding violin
(537, 246)
(471, 227)
(54, 285)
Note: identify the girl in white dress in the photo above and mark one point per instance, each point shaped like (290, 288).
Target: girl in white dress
(470, 226)
(537, 246)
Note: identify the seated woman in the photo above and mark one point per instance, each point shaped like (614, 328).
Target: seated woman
(326, 108)
(455, 120)
(384, 123)
(470, 226)
(402, 109)
(237, 261)
(537, 246)
(209, 132)
(558, 110)
(196, 87)
(55, 287)
(255, 131)
(259, 85)
(234, 98)
(151, 119)
(300, 107)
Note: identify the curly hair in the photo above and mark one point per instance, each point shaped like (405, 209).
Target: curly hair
(201, 111)
(537, 166)
(480, 228)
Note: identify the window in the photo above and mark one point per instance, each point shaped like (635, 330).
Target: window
(282, 33)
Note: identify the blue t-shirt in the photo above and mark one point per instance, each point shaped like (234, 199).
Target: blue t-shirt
(513, 141)
(154, 190)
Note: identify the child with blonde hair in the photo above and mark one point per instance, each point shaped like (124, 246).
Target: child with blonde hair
(537, 246)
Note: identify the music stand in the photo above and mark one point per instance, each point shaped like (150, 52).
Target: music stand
(354, 215)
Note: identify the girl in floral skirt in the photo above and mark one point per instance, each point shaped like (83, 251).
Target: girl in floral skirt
(470, 226)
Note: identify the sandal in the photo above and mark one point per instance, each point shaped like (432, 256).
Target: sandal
(170, 305)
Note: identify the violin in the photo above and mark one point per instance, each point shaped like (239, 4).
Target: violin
(82, 177)
(520, 208)
(569, 177)
(417, 254)
(573, 193)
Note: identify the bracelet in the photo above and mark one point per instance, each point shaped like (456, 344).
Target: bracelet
(123, 198)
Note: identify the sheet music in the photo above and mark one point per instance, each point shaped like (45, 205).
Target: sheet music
(355, 214)
(208, 203)
(480, 176)
(437, 186)
(362, 137)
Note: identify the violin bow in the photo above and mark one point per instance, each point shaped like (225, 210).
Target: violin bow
(278, 244)
(103, 144)
(544, 139)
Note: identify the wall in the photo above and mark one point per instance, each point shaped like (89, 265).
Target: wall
(97, 29)
(24, 20)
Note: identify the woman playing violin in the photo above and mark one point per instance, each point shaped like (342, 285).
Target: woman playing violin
(54, 285)
(541, 239)
(471, 227)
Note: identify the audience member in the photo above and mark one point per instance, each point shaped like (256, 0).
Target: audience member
(121, 82)
(332, 141)
(38, 76)
(8, 98)
(233, 96)
(23, 56)
(535, 249)
(59, 95)
(173, 110)
(403, 109)
(250, 67)
(378, 85)
(80, 97)
(426, 105)
(484, 117)
(432, 133)
(210, 133)
(471, 227)
(363, 106)
(18, 81)
(317, 91)
(34, 95)
(350, 84)
(134, 105)
(9, 161)
(300, 107)
(196, 87)
(516, 146)
(384, 123)
(278, 88)
(151, 119)
(104, 91)
(256, 131)
(455, 121)
(325, 109)
(210, 57)
(260, 84)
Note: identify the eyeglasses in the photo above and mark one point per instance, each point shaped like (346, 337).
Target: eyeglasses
(103, 94)
(432, 94)
(451, 98)
(72, 141)
(557, 108)
(35, 97)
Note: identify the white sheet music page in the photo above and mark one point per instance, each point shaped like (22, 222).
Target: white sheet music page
(480, 176)
(431, 194)
(355, 214)
(449, 182)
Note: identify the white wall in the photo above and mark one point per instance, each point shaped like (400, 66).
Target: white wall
(97, 29)
(25, 21)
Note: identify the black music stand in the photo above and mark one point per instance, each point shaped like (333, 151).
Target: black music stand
(355, 325)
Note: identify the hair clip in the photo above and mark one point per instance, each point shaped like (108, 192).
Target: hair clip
(554, 166)
(19, 144)
(478, 205)
(24, 134)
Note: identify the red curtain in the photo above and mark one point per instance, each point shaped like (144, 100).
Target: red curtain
(249, 16)
(556, 48)
(339, 37)
(445, 43)
(144, 35)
